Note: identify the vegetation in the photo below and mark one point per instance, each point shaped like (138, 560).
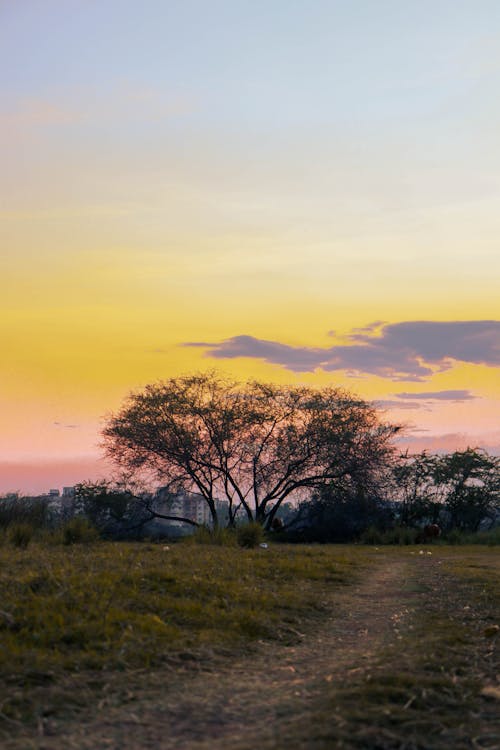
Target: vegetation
(118, 629)
(26, 510)
(116, 511)
(121, 606)
(436, 686)
(459, 490)
(250, 535)
(255, 445)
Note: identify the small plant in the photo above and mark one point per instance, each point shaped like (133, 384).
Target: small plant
(79, 531)
(250, 535)
(21, 534)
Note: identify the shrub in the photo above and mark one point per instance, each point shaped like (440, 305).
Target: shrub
(250, 535)
(79, 531)
(455, 536)
(21, 534)
(218, 536)
(371, 535)
(397, 535)
(32, 511)
(490, 537)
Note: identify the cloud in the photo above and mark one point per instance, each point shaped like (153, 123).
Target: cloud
(409, 351)
(455, 395)
(393, 404)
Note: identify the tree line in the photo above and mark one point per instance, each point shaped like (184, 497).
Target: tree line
(259, 446)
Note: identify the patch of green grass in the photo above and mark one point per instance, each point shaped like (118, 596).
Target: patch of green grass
(119, 606)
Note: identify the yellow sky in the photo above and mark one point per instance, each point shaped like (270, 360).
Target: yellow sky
(178, 188)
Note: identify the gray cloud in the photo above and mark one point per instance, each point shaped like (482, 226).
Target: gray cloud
(456, 395)
(410, 351)
(393, 404)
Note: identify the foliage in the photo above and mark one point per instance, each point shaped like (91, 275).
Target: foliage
(113, 509)
(491, 537)
(31, 510)
(255, 444)
(215, 536)
(420, 496)
(79, 530)
(401, 535)
(472, 479)
(20, 534)
(250, 535)
(458, 490)
(340, 511)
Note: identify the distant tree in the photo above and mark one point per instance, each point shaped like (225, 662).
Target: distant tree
(121, 509)
(472, 482)
(112, 508)
(457, 490)
(255, 445)
(420, 496)
(341, 510)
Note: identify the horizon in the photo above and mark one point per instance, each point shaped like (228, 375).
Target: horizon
(307, 195)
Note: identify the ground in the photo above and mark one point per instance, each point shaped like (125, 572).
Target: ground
(405, 658)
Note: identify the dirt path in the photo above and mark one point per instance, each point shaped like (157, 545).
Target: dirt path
(243, 703)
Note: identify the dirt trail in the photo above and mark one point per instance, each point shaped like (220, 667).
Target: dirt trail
(237, 704)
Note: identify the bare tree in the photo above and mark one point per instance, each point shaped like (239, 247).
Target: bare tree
(254, 444)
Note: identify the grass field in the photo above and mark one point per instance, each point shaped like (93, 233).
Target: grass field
(110, 606)
(387, 648)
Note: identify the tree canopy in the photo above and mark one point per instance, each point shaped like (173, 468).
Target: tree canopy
(458, 490)
(252, 444)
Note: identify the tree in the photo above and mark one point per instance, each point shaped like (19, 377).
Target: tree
(472, 482)
(115, 510)
(254, 445)
(420, 496)
(340, 511)
(457, 490)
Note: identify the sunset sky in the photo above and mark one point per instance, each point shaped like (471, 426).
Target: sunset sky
(298, 191)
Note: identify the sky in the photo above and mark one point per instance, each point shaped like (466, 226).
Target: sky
(302, 192)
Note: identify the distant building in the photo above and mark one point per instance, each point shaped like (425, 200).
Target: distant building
(190, 505)
(183, 504)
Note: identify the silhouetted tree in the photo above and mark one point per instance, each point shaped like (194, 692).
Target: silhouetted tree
(457, 490)
(255, 444)
(472, 482)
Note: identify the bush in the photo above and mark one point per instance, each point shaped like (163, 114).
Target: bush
(21, 534)
(455, 536)
(218, 536)
(79, 531)
(397, 535)
(33, 512)
(250, 535)
(491, 537)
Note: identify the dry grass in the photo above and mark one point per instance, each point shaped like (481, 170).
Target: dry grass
(431, 688)
(114, 607)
